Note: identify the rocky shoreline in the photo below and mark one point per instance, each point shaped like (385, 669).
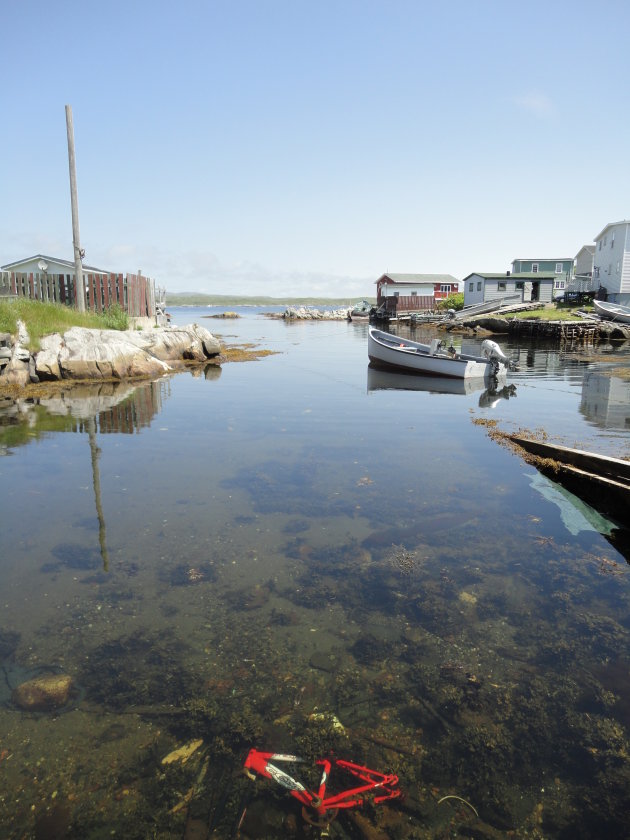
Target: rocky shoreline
(497, 325)
(81, 354)
(309, 313)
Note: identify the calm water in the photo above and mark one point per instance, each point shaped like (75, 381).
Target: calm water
(302, 555)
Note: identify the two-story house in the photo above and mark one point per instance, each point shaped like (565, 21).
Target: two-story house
(562, 268)
(611, 261)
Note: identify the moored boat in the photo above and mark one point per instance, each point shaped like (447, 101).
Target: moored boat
(395, 353)
(361, 311)
(612, 311)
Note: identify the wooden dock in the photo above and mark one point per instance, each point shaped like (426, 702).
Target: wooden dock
(601, 481)
(583, 332)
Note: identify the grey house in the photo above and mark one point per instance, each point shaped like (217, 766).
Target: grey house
(523, 287)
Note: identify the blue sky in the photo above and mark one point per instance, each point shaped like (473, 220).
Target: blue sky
(291, 148)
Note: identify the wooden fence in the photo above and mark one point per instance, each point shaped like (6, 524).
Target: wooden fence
(409, 303)
(134, 293)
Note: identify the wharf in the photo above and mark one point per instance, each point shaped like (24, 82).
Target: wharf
(572, 331)
(588, 331)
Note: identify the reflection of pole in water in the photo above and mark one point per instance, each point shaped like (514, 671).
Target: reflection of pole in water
(96, 481)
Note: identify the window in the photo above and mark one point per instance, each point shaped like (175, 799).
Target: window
(519, 285)
(446, 287)
(479, 286)
(396, 294)
(600, 244)
(558, 284)
(471, 287)
(558, 268)
(535, 268)
(414, 294)
(501, 285)
(612, 241)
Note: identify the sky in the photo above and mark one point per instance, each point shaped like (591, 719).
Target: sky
(306, 147)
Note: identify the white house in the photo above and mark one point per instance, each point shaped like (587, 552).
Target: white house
(51, 265)
(611, 261)
(584, 261)
(522, 287)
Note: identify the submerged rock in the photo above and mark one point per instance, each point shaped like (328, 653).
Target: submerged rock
(43, 694)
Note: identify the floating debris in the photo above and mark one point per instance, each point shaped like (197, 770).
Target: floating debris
(183, 753)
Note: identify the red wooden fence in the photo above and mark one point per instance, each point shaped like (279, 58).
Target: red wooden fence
(132, 292)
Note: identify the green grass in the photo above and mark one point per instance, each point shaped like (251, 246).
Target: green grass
(45, 318)
(557, 312)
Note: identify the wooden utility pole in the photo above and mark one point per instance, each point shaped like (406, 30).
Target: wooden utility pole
(79, 287)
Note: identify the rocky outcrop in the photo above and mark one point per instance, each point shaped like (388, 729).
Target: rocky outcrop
(83, 354)
(307, 313)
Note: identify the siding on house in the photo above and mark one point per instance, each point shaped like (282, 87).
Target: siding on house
(584, 261)
(611, 261)
(483, 288)
(558, 265)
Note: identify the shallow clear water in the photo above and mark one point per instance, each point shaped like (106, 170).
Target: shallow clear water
(263, 553)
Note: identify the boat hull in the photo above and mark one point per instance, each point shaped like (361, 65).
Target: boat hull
(612, 311)
(390, 352)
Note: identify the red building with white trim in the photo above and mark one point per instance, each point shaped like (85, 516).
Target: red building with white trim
(398, 293)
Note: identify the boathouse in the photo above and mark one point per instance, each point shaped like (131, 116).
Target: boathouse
(404, 293)
(523, 287)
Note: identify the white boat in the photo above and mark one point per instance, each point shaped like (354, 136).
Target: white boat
(395, 353)
(612, 311)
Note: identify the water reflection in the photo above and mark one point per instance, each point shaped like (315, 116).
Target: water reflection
(606, 399)
(297, 566)
(105, 408)
(114, 406)
(383, 380)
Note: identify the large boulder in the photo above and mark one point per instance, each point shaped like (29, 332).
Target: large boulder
(47, 359)
(172, 344)
(105, 354)
(17, 372)
(83, 354)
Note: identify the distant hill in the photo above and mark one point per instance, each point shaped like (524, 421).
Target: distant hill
(197, 299)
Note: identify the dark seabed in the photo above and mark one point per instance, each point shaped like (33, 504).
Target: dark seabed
(303, 555)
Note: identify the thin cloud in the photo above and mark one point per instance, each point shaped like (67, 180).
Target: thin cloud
(538, 104)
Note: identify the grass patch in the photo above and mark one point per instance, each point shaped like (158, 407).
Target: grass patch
(46, 318)
(559, 312)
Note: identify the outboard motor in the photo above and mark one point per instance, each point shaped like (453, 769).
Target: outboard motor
(493, 352)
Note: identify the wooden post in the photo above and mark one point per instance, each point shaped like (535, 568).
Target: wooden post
(76, 240)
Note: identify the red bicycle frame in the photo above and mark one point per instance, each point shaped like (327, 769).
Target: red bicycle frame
(377, 787)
